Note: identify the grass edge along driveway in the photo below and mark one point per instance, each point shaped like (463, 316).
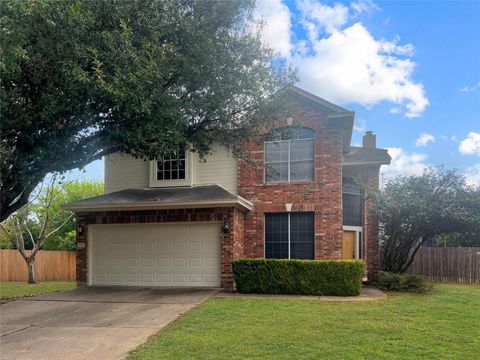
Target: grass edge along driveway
(15, 289)
(442, 325)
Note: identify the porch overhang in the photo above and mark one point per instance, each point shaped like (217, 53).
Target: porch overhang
(205, 196)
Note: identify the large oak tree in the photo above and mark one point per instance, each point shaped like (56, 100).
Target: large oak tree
(83, 79)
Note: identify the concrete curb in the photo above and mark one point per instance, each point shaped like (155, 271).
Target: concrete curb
(367, 294)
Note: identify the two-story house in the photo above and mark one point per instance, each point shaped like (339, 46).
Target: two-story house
(179, 221)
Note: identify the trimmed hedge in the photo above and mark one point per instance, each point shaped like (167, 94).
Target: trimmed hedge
(403, 282)
(299, 277)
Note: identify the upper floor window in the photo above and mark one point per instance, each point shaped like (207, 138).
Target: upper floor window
(352, 203)
(172, 167)
(289, 155)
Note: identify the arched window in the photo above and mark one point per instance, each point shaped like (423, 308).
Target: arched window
(290, 155)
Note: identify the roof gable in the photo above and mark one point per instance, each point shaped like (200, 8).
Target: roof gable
(333, 113)
(323, 104)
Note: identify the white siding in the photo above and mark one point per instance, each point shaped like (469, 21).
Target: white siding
(125, 172)
(220, 168)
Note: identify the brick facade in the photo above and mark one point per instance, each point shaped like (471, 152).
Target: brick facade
(370, 226)
(232, 240)
(323, 196)
(245, 238)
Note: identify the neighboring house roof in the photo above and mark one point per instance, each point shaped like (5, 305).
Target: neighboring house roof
(364, 156)
(158, 198)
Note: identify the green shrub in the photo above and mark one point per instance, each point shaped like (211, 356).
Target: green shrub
(299, 277)
(404, 282)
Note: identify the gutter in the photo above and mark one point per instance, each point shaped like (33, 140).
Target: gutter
(240, 203)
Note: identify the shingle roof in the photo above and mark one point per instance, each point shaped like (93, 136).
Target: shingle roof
(151, 198)
(361, 155)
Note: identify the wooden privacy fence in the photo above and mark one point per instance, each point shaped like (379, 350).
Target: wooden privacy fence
(49, 266)
(457, 264)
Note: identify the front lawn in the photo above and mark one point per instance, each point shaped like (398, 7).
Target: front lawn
(12, 289)
(442, 325)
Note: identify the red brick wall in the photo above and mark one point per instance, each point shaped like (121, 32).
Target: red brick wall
(370, 226)
(232, 241)
(323, 195)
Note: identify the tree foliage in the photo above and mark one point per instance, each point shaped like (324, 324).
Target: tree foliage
(68, 191)
(33, 214)
(83, 79)
(415, 209)
(464, 239)
(43, 224)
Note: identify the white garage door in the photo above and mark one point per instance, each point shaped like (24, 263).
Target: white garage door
(155, 254)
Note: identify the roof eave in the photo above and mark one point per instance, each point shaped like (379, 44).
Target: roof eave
(379, 162)
(315, 99)
(346, 120)
(240, 203)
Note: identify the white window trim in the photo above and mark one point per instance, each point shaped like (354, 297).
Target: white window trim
(288, 164)
(357, 230)
(188, 181)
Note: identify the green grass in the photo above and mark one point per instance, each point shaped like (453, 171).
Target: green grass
(12, 289)
(442, 325)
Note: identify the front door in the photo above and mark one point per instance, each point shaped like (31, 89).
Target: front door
(349, 245)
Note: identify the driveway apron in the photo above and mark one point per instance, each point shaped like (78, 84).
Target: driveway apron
(90, 322)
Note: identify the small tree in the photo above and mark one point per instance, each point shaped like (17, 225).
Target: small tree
(414, 209)
(64, 238)
(35, 223)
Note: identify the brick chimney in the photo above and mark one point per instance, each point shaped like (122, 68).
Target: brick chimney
(369, 140)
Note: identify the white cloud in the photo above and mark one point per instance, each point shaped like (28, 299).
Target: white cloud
(470, 145)
(472, 175)
(404, 163)
(277, 25)
(424, 139)
(364, 6)
(471, 88)
(351, 66)
(318, 17)
(341, 61)
(360, 125)
(395, 111)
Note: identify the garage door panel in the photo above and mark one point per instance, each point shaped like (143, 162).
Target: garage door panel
(178, 279)
(162, 262)
(156, 255)
(195, 246)
(195, 262)
(162, 245)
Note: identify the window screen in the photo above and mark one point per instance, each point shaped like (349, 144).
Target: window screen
(302, 236)
(294, 231)
(352, 210)
(172, 167)
(352, 203)
(276, 236)
(292, 159)
(276, 159)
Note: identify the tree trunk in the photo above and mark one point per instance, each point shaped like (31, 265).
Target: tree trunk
(31, 271)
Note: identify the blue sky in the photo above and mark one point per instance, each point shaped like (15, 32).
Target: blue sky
(409, 69)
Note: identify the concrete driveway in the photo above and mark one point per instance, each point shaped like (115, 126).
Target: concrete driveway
(90, 322)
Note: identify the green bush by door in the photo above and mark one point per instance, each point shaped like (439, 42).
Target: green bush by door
(299, 277)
